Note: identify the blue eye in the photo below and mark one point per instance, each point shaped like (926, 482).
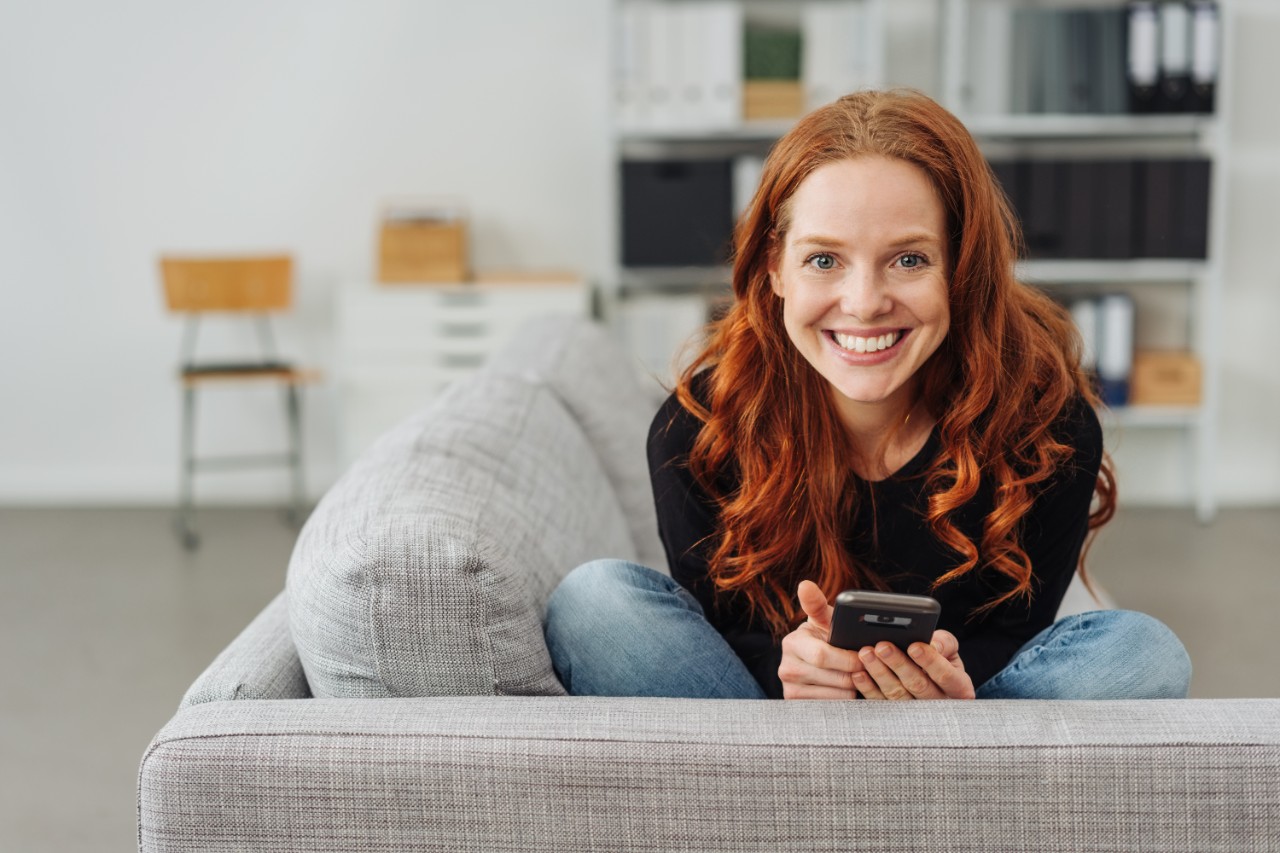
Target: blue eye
(911, 261)
(822, 261)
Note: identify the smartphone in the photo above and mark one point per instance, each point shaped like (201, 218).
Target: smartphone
(865, 618)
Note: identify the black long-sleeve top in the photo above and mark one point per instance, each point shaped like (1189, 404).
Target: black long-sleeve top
(908, 557)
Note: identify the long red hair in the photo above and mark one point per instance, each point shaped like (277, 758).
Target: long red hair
(1005, 372)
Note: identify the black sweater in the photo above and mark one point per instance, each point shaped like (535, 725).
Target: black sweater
(909, 558)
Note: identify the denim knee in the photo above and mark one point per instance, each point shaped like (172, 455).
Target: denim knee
(604, 584)
(1163, 667)
(1103, 654)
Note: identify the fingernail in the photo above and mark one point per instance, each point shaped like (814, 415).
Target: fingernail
(883, 651)
(867, 654)
(915, 651)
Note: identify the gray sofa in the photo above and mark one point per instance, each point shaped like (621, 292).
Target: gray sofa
(397, 695)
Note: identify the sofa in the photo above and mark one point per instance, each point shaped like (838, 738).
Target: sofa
(397, 695)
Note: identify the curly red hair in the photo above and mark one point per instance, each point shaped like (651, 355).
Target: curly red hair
(1004, 374)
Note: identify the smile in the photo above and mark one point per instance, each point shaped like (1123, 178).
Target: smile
(853, 343)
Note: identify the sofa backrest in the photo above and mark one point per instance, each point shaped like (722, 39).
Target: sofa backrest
(425, 570)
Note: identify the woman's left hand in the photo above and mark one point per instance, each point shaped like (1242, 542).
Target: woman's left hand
(927, 671)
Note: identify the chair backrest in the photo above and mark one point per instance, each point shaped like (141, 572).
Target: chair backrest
(258, 284)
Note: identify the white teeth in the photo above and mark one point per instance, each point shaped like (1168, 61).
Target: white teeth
(857, 344)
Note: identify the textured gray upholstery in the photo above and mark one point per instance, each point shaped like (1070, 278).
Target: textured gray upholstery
(552, 774)
(439, 549)
(425, 570)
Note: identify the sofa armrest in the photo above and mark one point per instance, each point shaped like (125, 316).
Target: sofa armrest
(539, 773)
(260, 663)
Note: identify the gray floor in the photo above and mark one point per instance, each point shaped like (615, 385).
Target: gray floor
(104, 621)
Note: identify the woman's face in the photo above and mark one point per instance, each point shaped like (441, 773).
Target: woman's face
(863, 277)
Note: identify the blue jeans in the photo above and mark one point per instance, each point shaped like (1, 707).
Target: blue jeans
(618, 629)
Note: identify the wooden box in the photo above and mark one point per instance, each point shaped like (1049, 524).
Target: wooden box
(763, 100)
(423, 248)
(1165, 379)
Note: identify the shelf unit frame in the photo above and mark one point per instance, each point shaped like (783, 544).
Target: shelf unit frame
(1205, 279)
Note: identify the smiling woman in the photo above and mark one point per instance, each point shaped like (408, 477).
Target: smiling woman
(884, 406)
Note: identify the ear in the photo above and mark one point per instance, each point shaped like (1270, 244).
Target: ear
(775, 279)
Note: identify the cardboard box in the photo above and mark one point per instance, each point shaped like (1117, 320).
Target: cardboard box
(772, 99)
(1165, 379)
(423, 246)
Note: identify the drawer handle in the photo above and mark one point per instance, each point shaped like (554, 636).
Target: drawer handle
(461, 298)
(463, 330)
(462, 359)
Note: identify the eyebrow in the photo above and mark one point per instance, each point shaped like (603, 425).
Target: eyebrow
(832, 242)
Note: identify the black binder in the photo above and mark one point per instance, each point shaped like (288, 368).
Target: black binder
(1143, 56)
(1205, 60)
(1158, 192)
(1113, 198)
(1043, 218)
(1175, 57)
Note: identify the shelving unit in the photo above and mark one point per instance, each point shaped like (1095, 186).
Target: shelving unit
(1124, 136)
(1197, 284)
(635, 297)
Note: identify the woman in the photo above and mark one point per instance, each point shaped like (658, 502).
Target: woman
(883, 407)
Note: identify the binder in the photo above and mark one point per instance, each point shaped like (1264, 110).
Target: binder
(1175, 57)
(1008, 176)
(747, 170)
(1158, 194)
(663, 62)
(1192, 236)
(1113, 195)
(1043, 217)
(1115, 347)
(1143, 57)
(1110, 90)
(992, 70)
(835, 50)
(1081, 64)
(1080, 231)
(1205, 27)
(718, 44)
(632, 84)
(1084, 312)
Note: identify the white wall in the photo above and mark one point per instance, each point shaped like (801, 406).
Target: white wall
(132, 128)
(129, 129)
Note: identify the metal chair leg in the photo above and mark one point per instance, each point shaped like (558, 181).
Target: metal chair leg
(185, 522)
(294, 409)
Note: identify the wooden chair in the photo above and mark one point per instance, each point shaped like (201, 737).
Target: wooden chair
(252, 287)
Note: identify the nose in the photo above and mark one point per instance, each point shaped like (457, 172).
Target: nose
(864, 294)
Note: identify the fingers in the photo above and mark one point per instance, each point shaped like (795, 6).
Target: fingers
(815, 605)
(946, 644)
(806, 649)
(947, 674)
(896, 675)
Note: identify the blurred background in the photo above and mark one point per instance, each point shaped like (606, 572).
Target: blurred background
(550, 130)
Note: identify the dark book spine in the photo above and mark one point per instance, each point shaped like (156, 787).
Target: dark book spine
(1158, 192)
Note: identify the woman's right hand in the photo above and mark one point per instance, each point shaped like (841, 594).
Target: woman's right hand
(811, 667)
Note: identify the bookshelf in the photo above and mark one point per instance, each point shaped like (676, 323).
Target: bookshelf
(714, 52)
(976, 48)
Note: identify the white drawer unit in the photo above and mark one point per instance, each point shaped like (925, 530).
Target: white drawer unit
(400, 345)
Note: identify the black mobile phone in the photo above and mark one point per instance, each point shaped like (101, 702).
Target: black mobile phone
(865, 618)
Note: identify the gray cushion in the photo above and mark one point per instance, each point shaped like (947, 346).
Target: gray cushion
(599, 385)
(425, 570)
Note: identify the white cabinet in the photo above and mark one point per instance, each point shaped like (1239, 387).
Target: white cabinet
(400, 345)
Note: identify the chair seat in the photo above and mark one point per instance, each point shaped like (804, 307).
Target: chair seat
(273, 371)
